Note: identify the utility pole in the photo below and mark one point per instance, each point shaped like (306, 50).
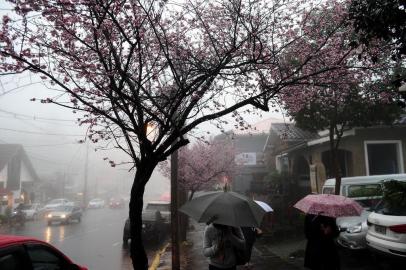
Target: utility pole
(86, 169)
(174, 211)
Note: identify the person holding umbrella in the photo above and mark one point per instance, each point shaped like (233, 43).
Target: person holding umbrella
(221, 245)
(224, 212)
(321, 229)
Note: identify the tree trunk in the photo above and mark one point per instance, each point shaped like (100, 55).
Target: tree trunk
(138, 255)
(182, 217)
(335, 165)
(174, 212)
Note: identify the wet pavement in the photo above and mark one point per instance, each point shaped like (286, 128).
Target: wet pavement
(95, 242)
(286, 254)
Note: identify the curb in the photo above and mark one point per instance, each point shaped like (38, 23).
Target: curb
(157, 259)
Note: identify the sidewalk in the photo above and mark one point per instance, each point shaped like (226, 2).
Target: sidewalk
(263, 255)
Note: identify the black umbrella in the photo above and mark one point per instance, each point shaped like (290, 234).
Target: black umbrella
(224, 207)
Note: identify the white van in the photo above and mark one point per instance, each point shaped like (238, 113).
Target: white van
(366, 190)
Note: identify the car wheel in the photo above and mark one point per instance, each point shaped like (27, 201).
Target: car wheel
(49, 223)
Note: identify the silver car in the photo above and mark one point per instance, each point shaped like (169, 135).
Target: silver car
(353, 231)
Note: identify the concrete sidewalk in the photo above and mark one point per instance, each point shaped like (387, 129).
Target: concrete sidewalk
(262, 258)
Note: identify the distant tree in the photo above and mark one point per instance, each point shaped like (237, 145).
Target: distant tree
(380, 20)
(203, 165)
(135, 65)
(343, 98)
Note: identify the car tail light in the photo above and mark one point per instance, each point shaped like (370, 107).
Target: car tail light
(398, 228)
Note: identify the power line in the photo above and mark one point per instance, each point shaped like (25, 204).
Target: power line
(33, 117)
(38, 121)
(42, 133)
(50, 145)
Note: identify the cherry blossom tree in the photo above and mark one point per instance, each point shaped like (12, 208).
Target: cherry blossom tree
(203, 165)
(343, 98)
(134, 65)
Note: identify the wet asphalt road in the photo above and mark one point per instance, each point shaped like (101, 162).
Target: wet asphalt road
(95, 242)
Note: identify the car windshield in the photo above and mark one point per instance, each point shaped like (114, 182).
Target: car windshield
(64, 208)
(55, 201)
(158, 207)
(389, 209)
(26, 207)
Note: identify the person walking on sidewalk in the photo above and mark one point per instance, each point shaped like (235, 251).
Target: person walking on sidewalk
(321, 251)
(330, 259)
(250, 235)
(312, 232)
(221, 244)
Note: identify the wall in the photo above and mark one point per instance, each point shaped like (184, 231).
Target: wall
(355, 145)
(3, 176)
(25, 174)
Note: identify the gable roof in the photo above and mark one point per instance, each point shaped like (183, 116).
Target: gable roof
(290, 132)
(9, 151)
(260, 127)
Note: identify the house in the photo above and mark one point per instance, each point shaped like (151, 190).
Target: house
(249, 145)
(17, 176)
(363, 151)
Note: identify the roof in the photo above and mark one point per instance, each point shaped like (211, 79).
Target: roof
(262, 126)
(6, 240)
(290, 132)
(366, 179)
(158, 202)
(9, 151)
(250, 143)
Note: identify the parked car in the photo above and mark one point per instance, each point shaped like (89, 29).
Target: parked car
(96, 203)
(64, 214)
(31, 211)
(155, 221)
(20, 252)
(387, 230)
(116, 203)
(366, 190)
(51, 205)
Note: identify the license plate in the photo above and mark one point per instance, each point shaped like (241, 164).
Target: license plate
(380, 229)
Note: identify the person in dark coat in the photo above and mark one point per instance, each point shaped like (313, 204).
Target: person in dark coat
(321, 250)
(312, 231)
(330, 259)
(250, 236)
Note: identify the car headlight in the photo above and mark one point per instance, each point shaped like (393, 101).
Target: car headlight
(63, 216)
(355, 229)
(49, 215)
(143, 226)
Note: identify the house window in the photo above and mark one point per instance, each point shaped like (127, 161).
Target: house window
(383, 157)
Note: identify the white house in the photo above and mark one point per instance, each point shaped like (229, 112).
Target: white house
(17, 176)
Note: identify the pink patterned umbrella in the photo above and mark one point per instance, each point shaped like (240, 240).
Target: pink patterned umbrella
(329, 205)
